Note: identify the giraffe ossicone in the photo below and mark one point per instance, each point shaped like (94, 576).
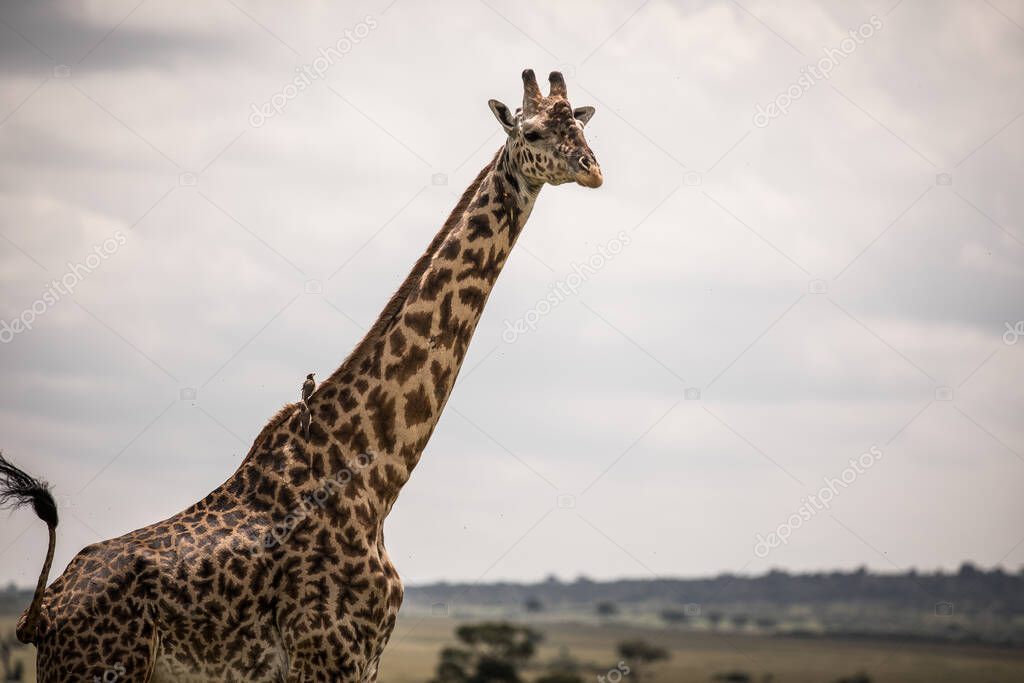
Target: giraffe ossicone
(203, 596)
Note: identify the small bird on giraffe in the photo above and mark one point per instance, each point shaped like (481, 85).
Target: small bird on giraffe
(308, 386)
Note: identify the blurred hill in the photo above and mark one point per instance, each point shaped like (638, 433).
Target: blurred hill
(969, 589)
(970, 605)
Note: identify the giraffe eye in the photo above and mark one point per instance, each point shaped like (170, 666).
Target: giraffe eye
(532, 136)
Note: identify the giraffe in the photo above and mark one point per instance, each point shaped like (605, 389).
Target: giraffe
(280, 574)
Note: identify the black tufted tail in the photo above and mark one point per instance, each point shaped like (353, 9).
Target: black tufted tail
(18, 489)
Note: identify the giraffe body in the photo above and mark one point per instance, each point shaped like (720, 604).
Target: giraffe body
(280, 574)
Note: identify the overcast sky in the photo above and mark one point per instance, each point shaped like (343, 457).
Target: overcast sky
(799, 287)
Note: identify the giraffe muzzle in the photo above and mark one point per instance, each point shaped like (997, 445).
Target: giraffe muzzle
(588, 172)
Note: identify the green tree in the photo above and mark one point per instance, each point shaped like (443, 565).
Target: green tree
(500, 640)
(733, 677)
(453, 665)
(490, 652)
(673, 616)
(639, 653)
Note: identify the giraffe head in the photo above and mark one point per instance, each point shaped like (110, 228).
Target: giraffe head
(545, 137)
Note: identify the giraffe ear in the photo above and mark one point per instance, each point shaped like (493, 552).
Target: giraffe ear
(503, 115)
(583, 114)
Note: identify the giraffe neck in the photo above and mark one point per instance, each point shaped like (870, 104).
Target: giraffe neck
(387, 397)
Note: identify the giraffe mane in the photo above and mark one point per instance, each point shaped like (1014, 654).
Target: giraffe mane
(398, 299)
(280, 417)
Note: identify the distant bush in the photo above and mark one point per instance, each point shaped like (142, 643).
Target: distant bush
(641, 651)
(733, 677)
(637, 654)
(673, 616)
(739, 621)
(11, 671)
(859, 677)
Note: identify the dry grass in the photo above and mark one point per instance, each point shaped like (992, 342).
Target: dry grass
(698, 656)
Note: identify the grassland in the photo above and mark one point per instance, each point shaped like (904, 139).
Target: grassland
(699, 656)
